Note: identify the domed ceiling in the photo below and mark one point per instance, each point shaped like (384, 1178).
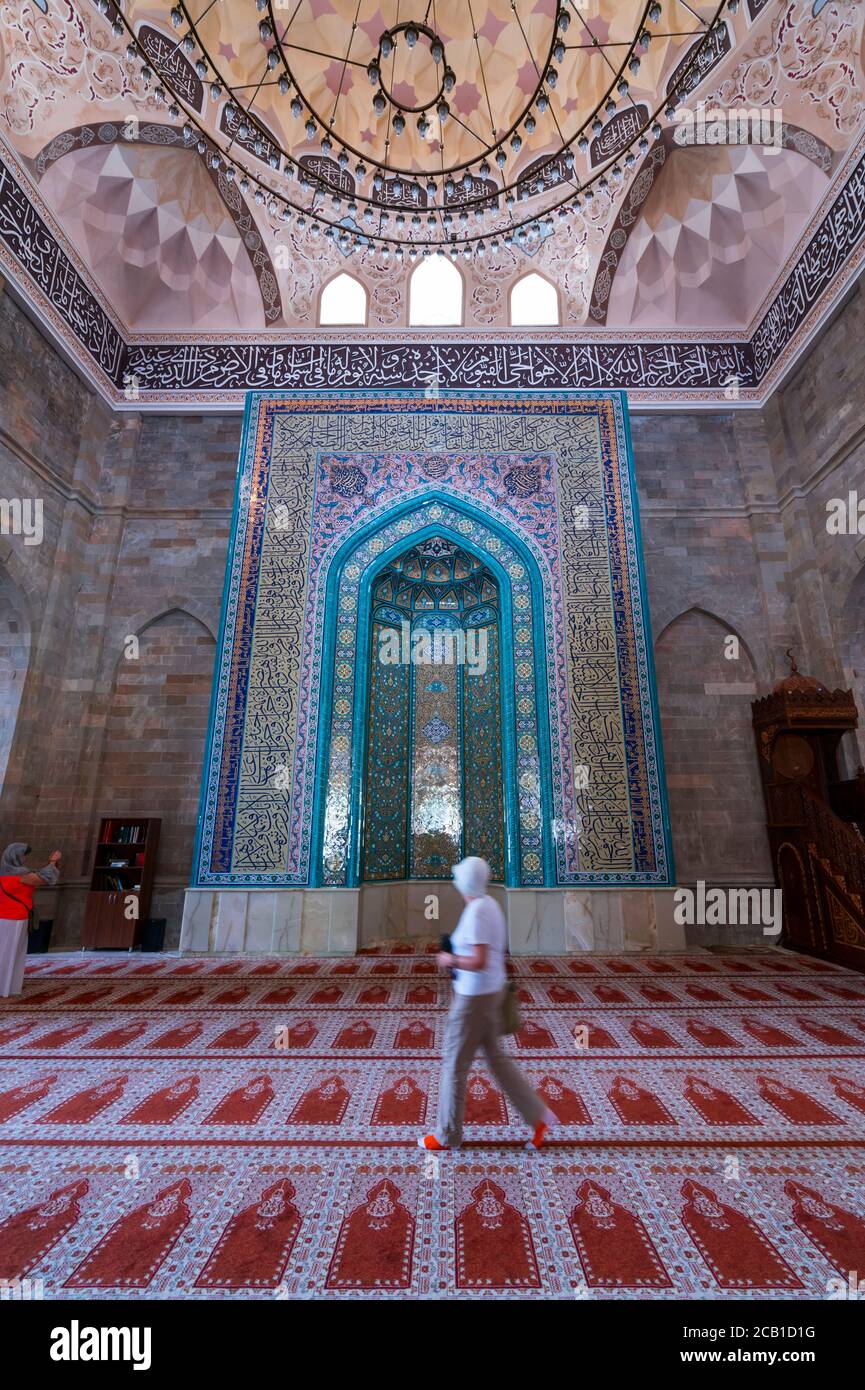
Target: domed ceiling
(436, 575)
(167, 249)
(211, 166)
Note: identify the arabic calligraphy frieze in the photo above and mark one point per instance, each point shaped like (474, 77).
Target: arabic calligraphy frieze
(249, 133)
(837, 238)
(547, 172)
(399, 192)
(618, 133)
(175, 70)
(326, 173)
(482, 193)
(516, 366)
(26, 236)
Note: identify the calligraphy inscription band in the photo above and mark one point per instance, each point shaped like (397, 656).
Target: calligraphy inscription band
(201, 369)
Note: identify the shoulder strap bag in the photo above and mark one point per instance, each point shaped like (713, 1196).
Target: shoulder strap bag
(512, 1020)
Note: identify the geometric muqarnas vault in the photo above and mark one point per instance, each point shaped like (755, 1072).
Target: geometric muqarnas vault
(499, 528)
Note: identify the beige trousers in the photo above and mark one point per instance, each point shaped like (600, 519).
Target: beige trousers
(13, 956)
(475, 1021)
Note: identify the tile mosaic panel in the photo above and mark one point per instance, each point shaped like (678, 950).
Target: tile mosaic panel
(332, 485)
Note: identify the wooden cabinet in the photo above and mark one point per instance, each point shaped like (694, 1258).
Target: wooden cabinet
(121, 882)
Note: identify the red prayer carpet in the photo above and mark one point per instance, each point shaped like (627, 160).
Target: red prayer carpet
(155, 1141)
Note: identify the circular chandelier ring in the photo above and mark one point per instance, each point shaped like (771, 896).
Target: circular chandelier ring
(486, 149)
(433, 38)
(441, 173)
(371, 237)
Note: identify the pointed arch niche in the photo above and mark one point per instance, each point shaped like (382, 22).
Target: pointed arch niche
(163, 688)
(343, 300)
(713, 778)
(433, 774)
(435, 293)
(421, 762)
(14, 661)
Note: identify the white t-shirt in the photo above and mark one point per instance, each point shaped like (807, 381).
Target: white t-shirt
(482, 924)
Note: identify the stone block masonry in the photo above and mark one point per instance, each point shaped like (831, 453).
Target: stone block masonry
(136, 522)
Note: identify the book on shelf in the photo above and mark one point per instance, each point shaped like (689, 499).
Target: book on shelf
(114, 884)
(120, 833)
(121, 873)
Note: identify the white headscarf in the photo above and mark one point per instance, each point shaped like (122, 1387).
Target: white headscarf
(471, 876)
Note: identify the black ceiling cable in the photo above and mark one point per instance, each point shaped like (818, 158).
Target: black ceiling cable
(276, 196)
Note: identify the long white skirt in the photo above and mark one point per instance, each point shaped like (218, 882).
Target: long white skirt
(13, 956)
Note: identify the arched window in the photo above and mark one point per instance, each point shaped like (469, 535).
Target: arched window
(343, 300)
(435, 293)
(534, 302)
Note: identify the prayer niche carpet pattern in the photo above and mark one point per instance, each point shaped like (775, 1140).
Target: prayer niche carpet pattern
(176, 1127)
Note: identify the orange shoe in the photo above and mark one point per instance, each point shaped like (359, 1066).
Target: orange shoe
(429, 1141)
(541, 1131)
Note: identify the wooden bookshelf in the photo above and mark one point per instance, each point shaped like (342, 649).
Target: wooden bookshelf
(123, 865)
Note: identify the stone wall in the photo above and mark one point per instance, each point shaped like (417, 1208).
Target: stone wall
(816, 433)
(136, 519)
(153, 744)
(137, 513)
(707, 552)
(53, 437)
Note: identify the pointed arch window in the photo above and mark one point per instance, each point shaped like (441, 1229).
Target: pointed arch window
(343, 301)
(435, 293)
(534, 302)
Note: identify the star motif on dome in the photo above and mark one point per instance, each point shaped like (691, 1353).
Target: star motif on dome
(492, 27)
(466, 98)
(404, 94)
(337, 78)
(527, 78)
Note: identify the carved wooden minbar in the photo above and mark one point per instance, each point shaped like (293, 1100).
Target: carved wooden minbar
(815, 818)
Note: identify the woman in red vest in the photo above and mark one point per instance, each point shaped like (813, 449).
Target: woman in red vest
(17, 884)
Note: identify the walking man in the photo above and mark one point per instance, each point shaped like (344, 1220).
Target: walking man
(477, 962)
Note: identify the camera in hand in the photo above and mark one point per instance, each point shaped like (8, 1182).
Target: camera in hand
(445, 944)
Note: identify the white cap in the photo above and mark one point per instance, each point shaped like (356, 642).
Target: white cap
(471, 876)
